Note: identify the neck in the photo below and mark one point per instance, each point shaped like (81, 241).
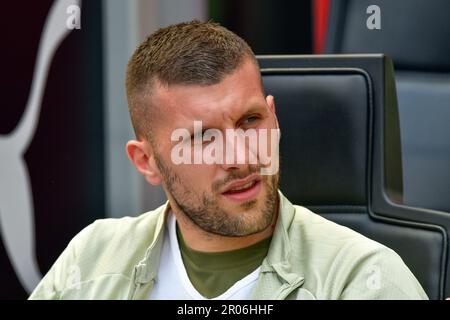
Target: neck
(201, 240)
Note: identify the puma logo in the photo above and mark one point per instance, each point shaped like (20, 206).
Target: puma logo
(16, 202)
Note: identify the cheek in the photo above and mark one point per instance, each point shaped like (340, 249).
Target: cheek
(272, 122)
(192, 175)
(197, 176)
(269, 122)
(268, 133)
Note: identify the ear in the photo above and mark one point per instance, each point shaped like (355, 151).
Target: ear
(270, 100)
(142, 156)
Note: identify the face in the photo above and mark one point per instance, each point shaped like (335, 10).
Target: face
(230, 199)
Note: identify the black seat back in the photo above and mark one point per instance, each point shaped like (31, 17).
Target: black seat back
(415, 34)
(340, 155)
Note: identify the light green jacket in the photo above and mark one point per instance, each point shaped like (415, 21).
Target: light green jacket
(309, 258)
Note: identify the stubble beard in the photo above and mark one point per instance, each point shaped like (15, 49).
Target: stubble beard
(204, 211)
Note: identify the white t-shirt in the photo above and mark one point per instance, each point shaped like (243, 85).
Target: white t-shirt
(172, 281)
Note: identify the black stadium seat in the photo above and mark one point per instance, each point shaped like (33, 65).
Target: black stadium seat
(416, 35)
(341, 157)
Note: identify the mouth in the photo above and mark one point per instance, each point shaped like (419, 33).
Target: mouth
(244, 189)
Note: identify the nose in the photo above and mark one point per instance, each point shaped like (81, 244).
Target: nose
(240, 151)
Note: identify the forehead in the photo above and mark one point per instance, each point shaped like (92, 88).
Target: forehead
(224, 101)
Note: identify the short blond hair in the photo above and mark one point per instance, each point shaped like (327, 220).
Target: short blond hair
(187, 53)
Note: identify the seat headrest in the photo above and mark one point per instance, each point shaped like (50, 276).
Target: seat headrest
(339, 125)
(414, 33)
(324, 135)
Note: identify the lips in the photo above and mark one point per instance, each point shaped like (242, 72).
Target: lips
(242, 183)
(244, 189)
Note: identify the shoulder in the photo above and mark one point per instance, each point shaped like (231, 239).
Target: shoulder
(117, 244)
(121, 232)
(350, 265)
(106, 249)
(329, 236)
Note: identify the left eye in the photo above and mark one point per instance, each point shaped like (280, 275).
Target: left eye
(251, 119)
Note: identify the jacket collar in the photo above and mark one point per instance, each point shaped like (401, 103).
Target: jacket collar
(277, 279)
(145, 271)
(268, 286)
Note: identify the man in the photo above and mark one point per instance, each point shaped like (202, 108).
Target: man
(195, 97)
